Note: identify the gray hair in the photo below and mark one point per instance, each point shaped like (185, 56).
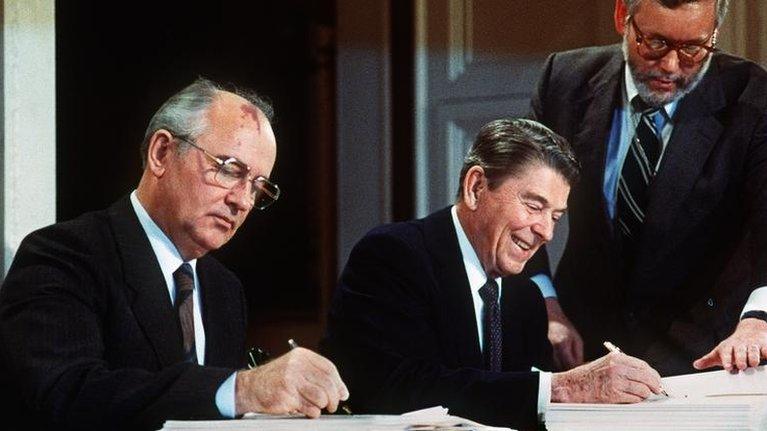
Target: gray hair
(184, 113)
(721, 6)
(506, 147)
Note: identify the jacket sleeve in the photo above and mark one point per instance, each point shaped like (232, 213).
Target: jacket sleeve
(53, 308)
(384, 337)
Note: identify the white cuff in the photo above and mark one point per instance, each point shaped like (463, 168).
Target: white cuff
(544, 394)
(225, 397)
(756, 301)
(545, 285)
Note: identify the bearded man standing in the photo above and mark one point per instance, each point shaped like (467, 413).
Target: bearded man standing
(672, 137)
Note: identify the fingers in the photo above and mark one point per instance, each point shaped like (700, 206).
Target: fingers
(299, 381)
(710, 359)
(754, 355)
(613, 378)
(322, 373)
(741, 350)
(629, 379)
(648, 379)
(309, 410)
(315, 395)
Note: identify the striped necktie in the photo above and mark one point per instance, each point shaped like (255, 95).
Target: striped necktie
(184, 303)
(638, 171)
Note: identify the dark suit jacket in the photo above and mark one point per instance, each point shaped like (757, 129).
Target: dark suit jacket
(707, 204)
(88, 335)
(403, 334)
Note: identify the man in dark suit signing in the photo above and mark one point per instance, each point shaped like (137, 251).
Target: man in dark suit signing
(667, 249)
(430, 312)
(118, 319)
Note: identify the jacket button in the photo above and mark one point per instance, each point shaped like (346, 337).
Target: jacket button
(710, 302)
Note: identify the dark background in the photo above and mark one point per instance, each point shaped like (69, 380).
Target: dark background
(118, 61)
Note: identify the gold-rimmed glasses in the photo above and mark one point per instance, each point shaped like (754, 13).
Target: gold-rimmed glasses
(231, 173)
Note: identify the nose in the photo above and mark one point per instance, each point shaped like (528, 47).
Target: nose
(669, 63)
(239, 197)
(544, 228)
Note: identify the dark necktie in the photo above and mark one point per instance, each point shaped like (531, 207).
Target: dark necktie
(637, 174)
(491, 322)
(184, 279)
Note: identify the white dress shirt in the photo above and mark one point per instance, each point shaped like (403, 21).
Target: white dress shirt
(477, 279)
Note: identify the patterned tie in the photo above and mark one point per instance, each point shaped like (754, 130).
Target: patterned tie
(184, 279)
(491, 322)
(637, 174)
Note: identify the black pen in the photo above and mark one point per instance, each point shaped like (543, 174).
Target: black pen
(342, 405)
(257, 356)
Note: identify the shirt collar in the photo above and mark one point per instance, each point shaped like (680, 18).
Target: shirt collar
(631, 92)
(167, 254)
(474, 270)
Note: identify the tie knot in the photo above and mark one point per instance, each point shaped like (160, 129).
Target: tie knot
(489, 292)
(184, 277)
(643, 108)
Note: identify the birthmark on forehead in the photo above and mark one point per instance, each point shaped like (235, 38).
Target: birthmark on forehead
(249, 111)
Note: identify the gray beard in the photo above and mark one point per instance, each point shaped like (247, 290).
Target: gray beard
(683, 85)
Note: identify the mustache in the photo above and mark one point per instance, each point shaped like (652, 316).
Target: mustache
(680, 80)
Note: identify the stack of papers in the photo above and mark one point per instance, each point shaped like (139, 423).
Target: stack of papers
(435, 418)
(716, 400)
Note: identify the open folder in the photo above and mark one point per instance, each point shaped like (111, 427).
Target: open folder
(435, 418)
(716, 400)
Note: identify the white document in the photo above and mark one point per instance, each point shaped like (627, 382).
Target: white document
(435, 418)
(715, 400)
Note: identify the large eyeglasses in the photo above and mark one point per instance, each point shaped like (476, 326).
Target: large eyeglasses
(689, 53)
(231, 173)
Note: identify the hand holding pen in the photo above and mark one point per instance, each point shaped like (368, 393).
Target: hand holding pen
(299, 381)
(612, 348)
(615, 378)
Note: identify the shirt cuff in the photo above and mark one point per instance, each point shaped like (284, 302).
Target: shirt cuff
(757, 301)
(545, 285)
(225, 401)
(544, 394)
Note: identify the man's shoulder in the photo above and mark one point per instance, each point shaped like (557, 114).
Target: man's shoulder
(589, 56)
(742, 80)
(412, 231)
(413, 240)
(585, 62)
(86, 231)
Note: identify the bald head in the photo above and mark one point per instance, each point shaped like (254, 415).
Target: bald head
(185, 113)
(200, 187)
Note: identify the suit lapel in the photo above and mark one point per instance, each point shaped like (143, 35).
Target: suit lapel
(696, 131)
(150, 301)
(590, 143)
(458, 310)
(222, 324)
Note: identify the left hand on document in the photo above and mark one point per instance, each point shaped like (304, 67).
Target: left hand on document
(743, 349)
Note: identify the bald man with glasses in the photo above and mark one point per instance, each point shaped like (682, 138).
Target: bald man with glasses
(667, 249)
(118, 319)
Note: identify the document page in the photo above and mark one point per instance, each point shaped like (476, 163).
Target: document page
(716, 400)
(435, 418)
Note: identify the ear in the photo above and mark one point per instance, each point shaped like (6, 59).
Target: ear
(620, 16)
(474, 185)
(159, 152)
